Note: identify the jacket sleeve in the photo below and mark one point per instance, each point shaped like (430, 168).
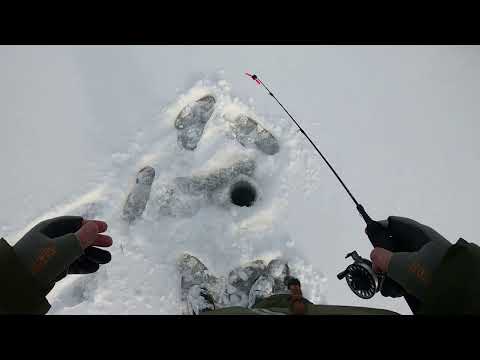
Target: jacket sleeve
(455, 287)
(19, 292)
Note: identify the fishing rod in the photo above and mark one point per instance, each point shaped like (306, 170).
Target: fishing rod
(360, 277)
(368, 220)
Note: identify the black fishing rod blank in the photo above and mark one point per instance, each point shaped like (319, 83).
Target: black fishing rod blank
(359, 207)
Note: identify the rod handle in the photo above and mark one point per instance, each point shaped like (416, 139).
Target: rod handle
(368, 220)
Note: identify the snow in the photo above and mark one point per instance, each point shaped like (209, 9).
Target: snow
(398, 123)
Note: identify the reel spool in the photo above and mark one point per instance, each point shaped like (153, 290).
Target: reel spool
(361, 278)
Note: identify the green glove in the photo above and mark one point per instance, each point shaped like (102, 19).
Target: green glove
(419, 252)
(62, 245)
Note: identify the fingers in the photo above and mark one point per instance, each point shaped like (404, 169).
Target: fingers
(413, 234)
(102, 225)
(98, 256)
(83, 265)
(90, 261)
(59, 226)
(89, 235)
(103, 241)
(381, 259)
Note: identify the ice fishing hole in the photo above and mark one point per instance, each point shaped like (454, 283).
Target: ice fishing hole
(242, 193)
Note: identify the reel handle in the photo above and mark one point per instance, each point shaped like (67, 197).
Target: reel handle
(342, 275)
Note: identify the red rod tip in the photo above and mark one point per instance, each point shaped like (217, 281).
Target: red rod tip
(254, 77)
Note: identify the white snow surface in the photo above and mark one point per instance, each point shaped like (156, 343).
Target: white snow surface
(398, 123)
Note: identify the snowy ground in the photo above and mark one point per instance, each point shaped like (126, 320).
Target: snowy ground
(399, 123)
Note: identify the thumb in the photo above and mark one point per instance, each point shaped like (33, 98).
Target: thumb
(381, 259)
(87, 234)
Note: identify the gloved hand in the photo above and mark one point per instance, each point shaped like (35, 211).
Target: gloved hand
(401, 234)
(63, 245)
(411, 254)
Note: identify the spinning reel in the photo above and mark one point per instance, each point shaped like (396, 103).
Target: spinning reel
(361, 278)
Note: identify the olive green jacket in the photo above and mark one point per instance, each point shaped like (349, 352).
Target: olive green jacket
(280, 305)
(19, 292)
(455, 287)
